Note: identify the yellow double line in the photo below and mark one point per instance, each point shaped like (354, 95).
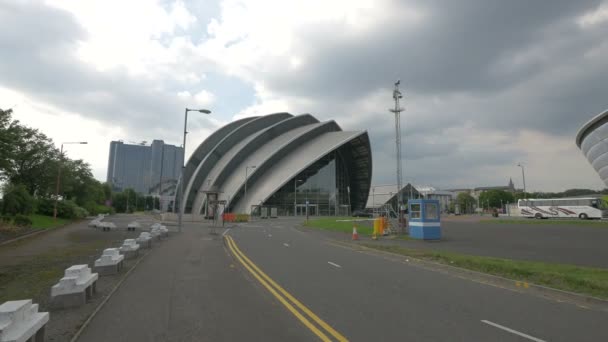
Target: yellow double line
(305, 316)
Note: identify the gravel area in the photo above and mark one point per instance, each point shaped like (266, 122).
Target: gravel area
(28, 267)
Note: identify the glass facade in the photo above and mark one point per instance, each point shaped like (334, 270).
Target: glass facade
(595, 148)
(324, 185)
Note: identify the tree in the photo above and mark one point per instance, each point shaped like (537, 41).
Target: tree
(495, 198)
(28, 157)
(466, 202)
(16, 200)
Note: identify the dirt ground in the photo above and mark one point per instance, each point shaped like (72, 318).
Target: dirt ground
(29, 267)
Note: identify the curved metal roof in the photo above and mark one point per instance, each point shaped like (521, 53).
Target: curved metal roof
(224, 145)
(259, 190)
(280, 146)
(590, 125)
(272, 136)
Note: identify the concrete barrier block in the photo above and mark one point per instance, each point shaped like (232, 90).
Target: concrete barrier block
(110, 262)
(156, 233)
(77, 285)
(129, 248)
(133, 225)
(21, 321)
(144, 240)
(107, 226)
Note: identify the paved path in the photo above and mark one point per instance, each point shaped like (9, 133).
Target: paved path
(189, 289)
(192, 289)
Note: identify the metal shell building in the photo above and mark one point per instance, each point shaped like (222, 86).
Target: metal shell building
(297, 159)
(591, 139)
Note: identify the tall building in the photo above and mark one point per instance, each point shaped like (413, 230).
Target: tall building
(146, 169)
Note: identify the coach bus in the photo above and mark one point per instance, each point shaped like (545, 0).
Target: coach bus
(583, 208)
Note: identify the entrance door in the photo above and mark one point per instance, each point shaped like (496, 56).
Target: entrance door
(301, 210)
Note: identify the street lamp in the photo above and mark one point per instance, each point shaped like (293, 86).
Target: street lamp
(295, 196)
(523, 176)
(59, 173)
(247, 168)
(181, 204)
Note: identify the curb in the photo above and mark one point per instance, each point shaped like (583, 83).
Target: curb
(100, 306)
(581, 300)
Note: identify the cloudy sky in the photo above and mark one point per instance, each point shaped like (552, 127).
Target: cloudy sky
(486, 84)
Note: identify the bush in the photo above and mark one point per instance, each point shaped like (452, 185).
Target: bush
(17, 200)
(22, 221)
(65, 209)
(6, 219)
(96, 209)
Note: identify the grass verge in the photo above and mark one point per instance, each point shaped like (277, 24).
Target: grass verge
(34, 277)
(335, 224)
(46, 222)
(585, 280)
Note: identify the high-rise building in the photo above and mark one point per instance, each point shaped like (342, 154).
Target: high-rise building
(153, 169)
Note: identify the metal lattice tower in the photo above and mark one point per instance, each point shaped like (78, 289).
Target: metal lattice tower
(397, 110)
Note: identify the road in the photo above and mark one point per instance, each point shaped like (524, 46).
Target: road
(572, 243)
(198, 287)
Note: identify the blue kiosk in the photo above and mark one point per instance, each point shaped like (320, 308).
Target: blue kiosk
(424, 219)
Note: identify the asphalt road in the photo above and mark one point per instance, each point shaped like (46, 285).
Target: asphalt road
(582, 245)
(369, 298)
(192, 288)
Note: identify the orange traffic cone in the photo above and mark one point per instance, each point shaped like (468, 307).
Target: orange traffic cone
(355, 234)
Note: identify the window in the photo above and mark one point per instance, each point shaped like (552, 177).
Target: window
(415, 214)
(431, 211)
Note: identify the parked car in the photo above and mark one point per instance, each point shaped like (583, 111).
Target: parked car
(362, 213)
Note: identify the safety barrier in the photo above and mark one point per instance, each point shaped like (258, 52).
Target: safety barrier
(21, 321)
(77, 285)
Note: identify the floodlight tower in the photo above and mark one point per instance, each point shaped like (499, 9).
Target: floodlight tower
(397, 110)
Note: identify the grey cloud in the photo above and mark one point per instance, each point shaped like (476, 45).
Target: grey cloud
(40, 61)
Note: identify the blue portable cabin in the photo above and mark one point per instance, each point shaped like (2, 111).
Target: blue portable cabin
(424, 219)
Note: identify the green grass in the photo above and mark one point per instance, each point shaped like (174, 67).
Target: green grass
(34, 277)
(550, 222)
(333, 224)
(586, 280)
(46, 222)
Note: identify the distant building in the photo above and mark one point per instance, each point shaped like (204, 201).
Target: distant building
(147, 169)
(591, 139)
(387, 194)
(444, 197)
(475, 192)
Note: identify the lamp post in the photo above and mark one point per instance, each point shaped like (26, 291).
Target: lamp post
(523, 176)
(246, 169)
(295, 196)
(59, 173)
(183, 198)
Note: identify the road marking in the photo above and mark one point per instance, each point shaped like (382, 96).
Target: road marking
(512, 331)
(225, 231)
(269, 235)
(333, 264)
(286, 244)
(273, 287)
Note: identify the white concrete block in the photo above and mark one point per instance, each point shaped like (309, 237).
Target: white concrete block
(20, 320)
(77, 278)
(143, 238)
(129, 245)
(135, 224)
(110, 257)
